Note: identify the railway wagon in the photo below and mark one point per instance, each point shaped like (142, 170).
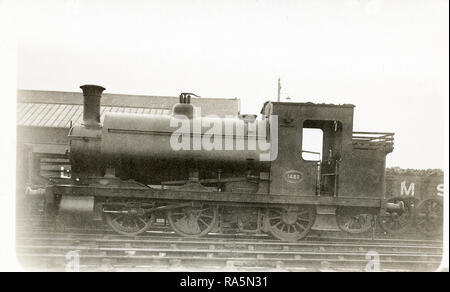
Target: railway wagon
(420, 184)
(203, 174)
(422, 192)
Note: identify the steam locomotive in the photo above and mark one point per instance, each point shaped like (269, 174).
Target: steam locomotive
(206, 174)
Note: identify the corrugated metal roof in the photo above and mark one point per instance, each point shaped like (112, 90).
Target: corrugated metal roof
(209, 106)
(51, 115)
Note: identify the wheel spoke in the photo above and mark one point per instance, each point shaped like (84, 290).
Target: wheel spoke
(179, 214)
(142, 221)
(202, 221)
(116, 219)
(301, 226)
(290, 223)
(428, 217)
(347, 224)
(206, 216)
(194, 222)
(399, 221)
(127, 224)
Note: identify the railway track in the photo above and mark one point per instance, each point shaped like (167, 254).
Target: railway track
(41, 246)
(165, 252)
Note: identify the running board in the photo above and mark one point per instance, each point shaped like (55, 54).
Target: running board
(325, 219)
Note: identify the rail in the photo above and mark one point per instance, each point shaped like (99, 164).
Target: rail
(373, 140)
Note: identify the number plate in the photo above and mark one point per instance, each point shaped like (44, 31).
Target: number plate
(293, 176)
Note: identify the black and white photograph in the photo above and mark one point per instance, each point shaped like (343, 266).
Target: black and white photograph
(228, 137)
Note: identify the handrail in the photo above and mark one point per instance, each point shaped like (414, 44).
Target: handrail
(373, 140)
(375, 133)
(373, 136)
(312, 152)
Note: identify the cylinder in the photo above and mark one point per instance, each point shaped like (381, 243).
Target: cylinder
(91, 109)
(76, 204)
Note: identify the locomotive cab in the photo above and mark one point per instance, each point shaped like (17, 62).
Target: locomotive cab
(344, 154)
(349, 168)
(293, 172)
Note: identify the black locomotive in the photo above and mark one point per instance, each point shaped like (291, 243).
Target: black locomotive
(204, 174)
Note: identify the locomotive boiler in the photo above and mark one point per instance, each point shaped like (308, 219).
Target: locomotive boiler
(156, 148)
(205, 174)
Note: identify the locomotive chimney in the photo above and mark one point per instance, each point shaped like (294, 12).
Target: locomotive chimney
(91, 108)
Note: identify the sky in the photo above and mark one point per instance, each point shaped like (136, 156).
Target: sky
(389, 58)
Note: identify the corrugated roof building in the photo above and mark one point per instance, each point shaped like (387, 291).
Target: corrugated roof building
(57, 109)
